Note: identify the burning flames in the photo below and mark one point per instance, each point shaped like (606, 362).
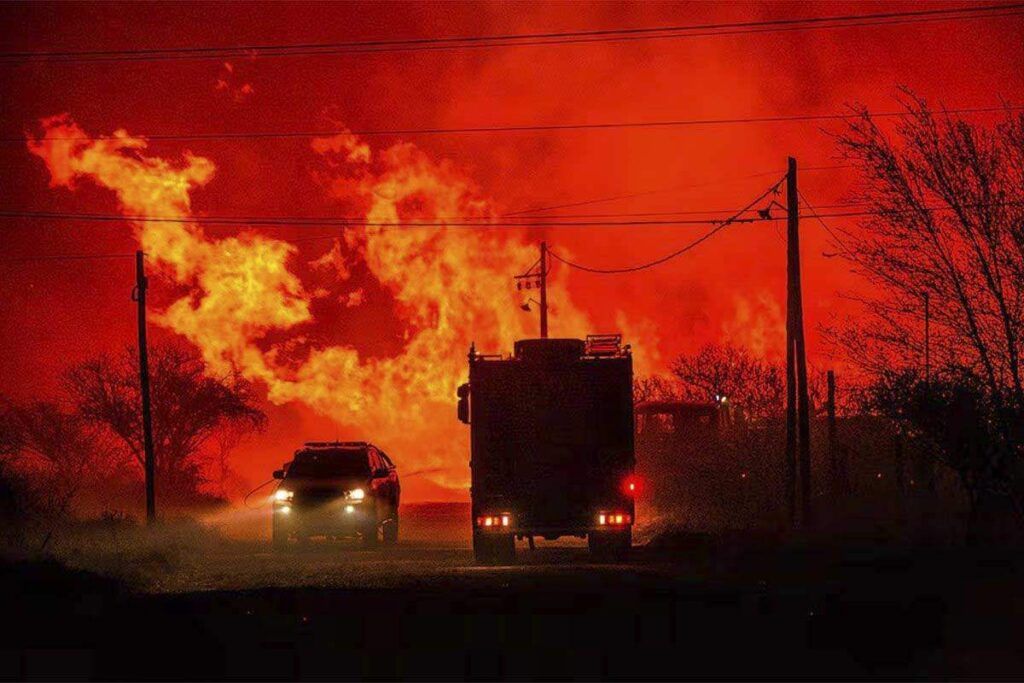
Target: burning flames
(757, 324)
(451, 284)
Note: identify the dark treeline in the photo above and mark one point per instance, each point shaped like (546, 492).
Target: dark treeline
(81, 453)
(935, 399)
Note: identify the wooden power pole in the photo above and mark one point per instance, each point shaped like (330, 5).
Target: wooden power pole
(927, 341)
(147, 418)
(798, 426)
(543, 290)
(833, 455)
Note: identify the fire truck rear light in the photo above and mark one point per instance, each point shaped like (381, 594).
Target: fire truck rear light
(494, 521)
(613, 519)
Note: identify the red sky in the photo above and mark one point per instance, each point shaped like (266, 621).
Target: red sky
(59, 312)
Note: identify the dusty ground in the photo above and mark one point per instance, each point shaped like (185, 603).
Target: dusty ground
(188, 602)
(231, 551)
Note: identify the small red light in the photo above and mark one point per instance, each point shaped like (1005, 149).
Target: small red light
(631, 485)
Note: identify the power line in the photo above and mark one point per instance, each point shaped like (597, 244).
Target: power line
(718, 223)
(576, 41)
(646, 193)
(691, 212)
(252, 219)
(451, 222)
(839, 242)
(520, 128)
(319, 238)
(888, 212)
(67, 257)
(706, 236)
(846, 250)
(513, 40)
(302, 221)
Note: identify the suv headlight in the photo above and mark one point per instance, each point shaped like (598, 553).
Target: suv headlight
(356, 494)
(283, 495)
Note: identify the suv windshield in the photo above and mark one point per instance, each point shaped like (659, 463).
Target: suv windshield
(332, 463)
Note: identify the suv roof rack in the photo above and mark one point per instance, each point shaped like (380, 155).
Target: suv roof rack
(336, 444)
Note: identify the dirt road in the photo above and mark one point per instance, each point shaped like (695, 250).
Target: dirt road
(435, 547)
(191, 604)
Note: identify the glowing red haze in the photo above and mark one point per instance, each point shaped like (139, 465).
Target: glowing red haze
(362, 332)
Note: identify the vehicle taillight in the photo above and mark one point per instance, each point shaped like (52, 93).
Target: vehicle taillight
(614, 519)
(631, 485)
(498, 521)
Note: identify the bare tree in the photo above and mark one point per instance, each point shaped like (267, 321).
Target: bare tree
(61, 450)
(733, 374)
(945, 206)
(949, 417)
(946, 219)
(654, 388)
(55, 455)
(10, 437)
(191, 410)
(11, 489)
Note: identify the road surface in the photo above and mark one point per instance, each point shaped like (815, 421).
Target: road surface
(435, 546)
(190, 604)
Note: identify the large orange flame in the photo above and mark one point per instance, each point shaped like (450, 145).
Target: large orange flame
(451, 284)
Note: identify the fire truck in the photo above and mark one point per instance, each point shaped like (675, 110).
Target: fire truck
(551, 445)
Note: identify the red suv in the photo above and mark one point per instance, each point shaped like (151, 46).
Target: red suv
(337, 489)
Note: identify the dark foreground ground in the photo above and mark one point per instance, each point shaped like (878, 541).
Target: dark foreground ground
(684, 606)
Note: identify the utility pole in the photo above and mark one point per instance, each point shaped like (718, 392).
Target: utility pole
(543, 290)
(927, 340)
(833, 455)
(139, 295)
(540, 276)
(899, 465)
(790, 464)
(798, 426)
